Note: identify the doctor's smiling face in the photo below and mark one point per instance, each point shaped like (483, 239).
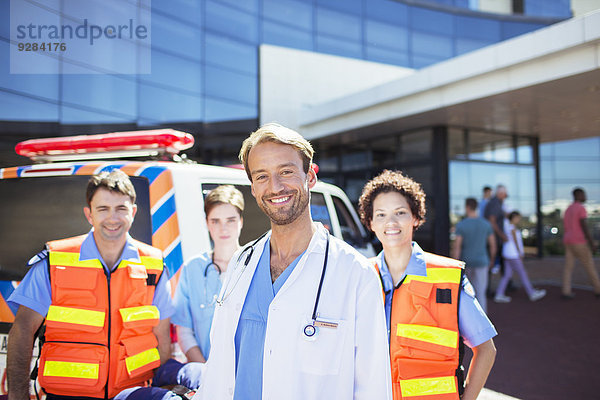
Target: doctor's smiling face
(279, 183)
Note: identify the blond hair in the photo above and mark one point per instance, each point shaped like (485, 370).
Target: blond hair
(275, 133)
(224, 194)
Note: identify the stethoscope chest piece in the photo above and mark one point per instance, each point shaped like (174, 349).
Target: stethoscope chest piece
(310, 332)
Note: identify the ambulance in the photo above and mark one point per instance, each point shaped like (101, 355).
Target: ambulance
(44, 200)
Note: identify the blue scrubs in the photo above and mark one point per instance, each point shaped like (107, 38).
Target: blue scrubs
(34, 290)
(252, 327)
(473, 324)
(195, 298)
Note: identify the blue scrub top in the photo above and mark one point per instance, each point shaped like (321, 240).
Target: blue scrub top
(473, 324)
(34, 290)
(195, 297)
(252, 327)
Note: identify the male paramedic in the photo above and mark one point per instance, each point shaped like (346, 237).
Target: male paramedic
(104, 300)
(301, 313)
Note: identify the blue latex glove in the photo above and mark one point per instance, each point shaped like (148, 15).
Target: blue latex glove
(175, 373)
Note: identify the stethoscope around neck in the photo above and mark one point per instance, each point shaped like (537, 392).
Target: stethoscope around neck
(310, 329)
(211, 264)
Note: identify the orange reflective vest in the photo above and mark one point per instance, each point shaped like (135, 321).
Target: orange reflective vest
(99, 337)
(425, 345)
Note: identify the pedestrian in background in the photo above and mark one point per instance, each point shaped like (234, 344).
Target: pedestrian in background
(579, 244)
(495, 214)
(475, 244)
(513, 254)
(487, 195)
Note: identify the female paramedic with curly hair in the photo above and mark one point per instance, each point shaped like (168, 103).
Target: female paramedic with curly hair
(430, 305)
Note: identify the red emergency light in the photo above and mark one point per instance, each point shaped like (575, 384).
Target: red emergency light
(150, 141)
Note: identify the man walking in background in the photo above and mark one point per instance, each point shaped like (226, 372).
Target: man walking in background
(578, 244)
(487, 195)
(476, 246)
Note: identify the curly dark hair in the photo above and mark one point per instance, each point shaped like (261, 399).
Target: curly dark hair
(392, 181)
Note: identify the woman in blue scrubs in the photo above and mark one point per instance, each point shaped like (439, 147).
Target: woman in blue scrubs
(201, 277)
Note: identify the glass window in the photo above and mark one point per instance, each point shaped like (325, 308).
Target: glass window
(582, 170)
(524, 151)
(172, 36)
(512, 29)
(546, 150)
(231, 54)
(242, 88)
(77, 115)
(183, 9)
(58, 202)
(419, 61)
(45, 86)
(350, 6)
(432, 45)
(350, 231)
(319, 211)
(250, 6)
(289, 13)
(218, 110)
(467, 45)
(339, 47)
(432, 21)
(467, 178)
(545, 8)
(14, 107)
(174, 72)
(547, 171)
(110, 93)
(231, 22)
(491, 147)
(356, 159)
(395, 57)
(588, 147)
(281, 35)
(389, 11)
(415, 146)
(168, 105)
(380, 34)
(338, 24)
(457, 144)
(478, 28)
(384, 152)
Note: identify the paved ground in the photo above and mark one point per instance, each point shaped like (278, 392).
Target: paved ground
(550, 349)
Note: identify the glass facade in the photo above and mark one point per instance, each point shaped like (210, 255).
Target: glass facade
(204, 63)
(564, 166)
(478, 159)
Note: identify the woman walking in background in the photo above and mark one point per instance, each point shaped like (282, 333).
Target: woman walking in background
(513, 253)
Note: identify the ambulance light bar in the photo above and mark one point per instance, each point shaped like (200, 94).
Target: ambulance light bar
(107, 145)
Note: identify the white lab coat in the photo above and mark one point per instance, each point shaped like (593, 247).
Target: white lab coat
(348, 362)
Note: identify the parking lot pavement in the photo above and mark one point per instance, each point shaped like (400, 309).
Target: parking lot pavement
(550, 349)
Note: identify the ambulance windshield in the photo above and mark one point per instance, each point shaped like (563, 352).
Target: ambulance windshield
(38, 209)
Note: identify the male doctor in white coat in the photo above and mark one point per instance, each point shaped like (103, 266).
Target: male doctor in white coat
(300, 315)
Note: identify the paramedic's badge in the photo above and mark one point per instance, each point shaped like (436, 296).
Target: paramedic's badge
(468, 288)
